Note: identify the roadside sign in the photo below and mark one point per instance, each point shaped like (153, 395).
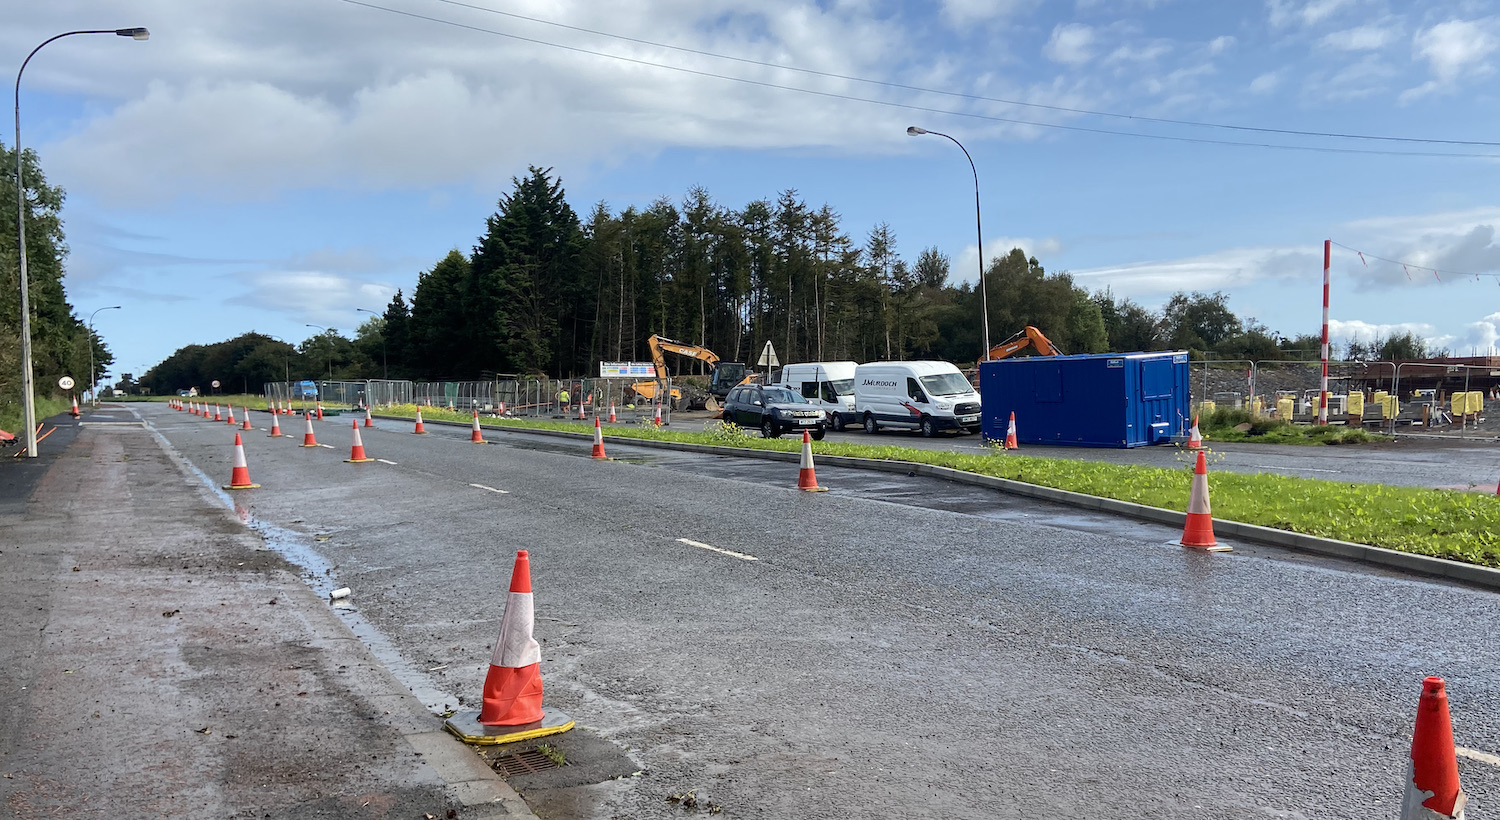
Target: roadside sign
(215, 383)
(768, 357)
(627, 370)
(66, 382)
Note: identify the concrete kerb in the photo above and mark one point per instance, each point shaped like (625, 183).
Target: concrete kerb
(1440, 567)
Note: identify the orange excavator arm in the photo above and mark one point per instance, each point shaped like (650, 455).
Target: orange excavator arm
(1029, 336)
(660, 344)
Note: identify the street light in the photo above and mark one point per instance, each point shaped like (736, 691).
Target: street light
(93, 380)
(385, 359)
(286, 365)
(330, 352)
(28, 398)
(984, 301)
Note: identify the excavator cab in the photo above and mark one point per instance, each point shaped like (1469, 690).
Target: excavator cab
(725, 376)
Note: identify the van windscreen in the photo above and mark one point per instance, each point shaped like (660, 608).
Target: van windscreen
(946, 384)
(843, 387)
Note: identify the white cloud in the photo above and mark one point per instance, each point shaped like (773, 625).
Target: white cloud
(1265, 83)
(1071, 44)
(962, 13)
(1285, 12)
(1142, 53)
(965, 265)
(1455, 50)
(313, 296)
(1221, 44)
(1215, 271)
(1360, 38)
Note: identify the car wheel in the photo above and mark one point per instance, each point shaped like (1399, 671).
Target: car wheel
(768, 429)
(870, 426)
(818, 434)
(928, 428)
(838, 422)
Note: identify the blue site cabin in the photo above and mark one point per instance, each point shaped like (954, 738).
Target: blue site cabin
(1089, 400)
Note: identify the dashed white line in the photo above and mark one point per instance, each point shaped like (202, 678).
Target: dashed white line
(490, 489)
(731, 553)
(1478, 756)
(383, 461)
(328, 446)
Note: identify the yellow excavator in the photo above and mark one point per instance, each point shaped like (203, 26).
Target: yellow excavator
(723, 377)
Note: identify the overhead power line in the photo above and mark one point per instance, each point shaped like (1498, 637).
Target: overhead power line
(961, 95)
(911, 107)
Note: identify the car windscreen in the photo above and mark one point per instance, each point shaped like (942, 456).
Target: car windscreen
(843, 387)
(946, 384)
(779, 396)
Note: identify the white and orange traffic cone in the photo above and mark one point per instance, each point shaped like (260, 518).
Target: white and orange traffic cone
(308, 439)
(229, 416)
(474, 435)
(217, 415)
(1195, 438)
(275, 426)
(369, 422)
(656, 419)
(502, 408)
(1432, 787)
(1010, 433)
(320, 411)
(807, 478)
(611, 412)
(1198, 529)
(451, 407)
(247, 425)
(421, 431)
(581, 417)
(192, 408)
(239, 478)
(357, 451)
(74, 412)
(598, 440)
(513, 685)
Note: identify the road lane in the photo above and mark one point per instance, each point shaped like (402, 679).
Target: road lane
(884, 658)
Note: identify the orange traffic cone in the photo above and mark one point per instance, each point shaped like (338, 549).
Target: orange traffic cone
(581, 417)
(421, 431)
(275, 426)
(74, 411)
(230, 415)
(1195, 438)
(657, 419)
(807, 479)
(308, 439)
(320, 411)
(239, 478)
(598, 440)
(475, 436)
(611, 412)
(1198, 530)
(1432, 787)
(247, 420)
(513, 686)
(1010, 433)
(502, 408)
(217, 415)
(357, 452)
(369, 422)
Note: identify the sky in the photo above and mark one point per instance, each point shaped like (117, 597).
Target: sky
(273, 164)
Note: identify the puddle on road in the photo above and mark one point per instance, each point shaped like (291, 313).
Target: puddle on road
(317, 573)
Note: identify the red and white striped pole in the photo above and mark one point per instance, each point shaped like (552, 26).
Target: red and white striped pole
(1323, 396)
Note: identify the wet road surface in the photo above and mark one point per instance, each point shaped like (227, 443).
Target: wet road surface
(899, 647)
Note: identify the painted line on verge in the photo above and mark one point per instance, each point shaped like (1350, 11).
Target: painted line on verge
(711, 548)
(1293, 469)
(383, 461)
(491, 489)
(1478, 756)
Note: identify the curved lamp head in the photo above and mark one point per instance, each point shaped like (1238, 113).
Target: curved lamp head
(914, 131)
(136, 33)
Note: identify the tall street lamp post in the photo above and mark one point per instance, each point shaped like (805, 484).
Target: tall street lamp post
(93, 379)
(330, 352)
(286, 365)
(984, 300)
(28, 391)
(385, 359)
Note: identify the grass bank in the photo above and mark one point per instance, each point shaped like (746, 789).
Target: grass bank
(1444, 523)
(1225, 424)
(13, 415)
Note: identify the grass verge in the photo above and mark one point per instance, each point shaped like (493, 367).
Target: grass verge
(1220, 426)
(13, 415)
(1448, 524)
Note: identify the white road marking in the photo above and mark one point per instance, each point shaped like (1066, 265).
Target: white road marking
(491, 489)
(329, 446)
(1298, 469)
(1481, 757)
(730, 553)
(383, 461)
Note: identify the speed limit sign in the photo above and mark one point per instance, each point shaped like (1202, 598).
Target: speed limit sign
(66, 382)
(215, 383)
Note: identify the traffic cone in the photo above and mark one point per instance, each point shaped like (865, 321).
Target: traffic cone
(247, 420)
(217, 415)
(1198, 530)
(357, 452)
(807, 479)
(320, 411)
(598, 440)
(475, 436)
(229, 419)
(74, 411)
(369, 422)
(581, 417)
(421, 431)
(308, 439)
(502, 408)
(1195, 438)
(239, 479)
(513, 686)
(611, 412)
(1432, 787)
(275, 426)
(1010, 433)
(657, 419)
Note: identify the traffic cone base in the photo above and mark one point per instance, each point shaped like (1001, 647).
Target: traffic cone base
(239, 478)
(466, 727)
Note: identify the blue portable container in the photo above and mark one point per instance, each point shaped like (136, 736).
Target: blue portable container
(1091, 400)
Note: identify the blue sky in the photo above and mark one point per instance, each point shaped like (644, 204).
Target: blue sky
(265, 164)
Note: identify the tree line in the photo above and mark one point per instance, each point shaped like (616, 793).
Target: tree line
(545, 292)
(60, 341)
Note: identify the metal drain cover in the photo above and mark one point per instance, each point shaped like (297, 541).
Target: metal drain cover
(528, 762)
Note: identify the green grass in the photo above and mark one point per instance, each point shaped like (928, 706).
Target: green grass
(12, 415)
(1449, 524)
(1219, 426)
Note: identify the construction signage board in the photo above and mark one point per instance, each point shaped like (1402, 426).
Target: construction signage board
(627, 370)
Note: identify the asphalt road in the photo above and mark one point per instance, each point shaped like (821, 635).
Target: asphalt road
(900, 647)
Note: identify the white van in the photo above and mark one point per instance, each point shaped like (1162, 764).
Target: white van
(829, 385)
(926, 396)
